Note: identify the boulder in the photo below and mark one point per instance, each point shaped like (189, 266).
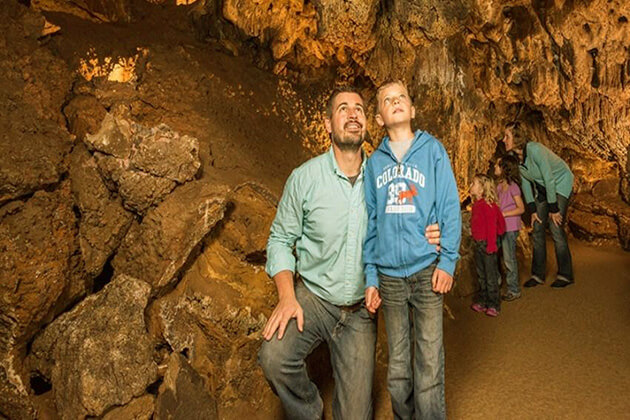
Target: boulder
(104, 222)
(183, 394)
(157, 248)
(99, 354)
(140, 408)
(589, 227)
(143, 164)
(38, 278)
(216, 313)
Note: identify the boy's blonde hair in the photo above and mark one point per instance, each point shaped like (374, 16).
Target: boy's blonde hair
(488, 188)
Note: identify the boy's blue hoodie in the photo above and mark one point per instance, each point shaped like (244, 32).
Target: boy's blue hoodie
(402, 199)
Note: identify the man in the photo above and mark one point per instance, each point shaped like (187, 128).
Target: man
(322, 213)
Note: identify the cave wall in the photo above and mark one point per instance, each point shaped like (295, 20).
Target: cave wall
(143, 145)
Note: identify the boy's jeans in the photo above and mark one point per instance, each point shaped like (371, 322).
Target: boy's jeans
(508, 243)
(563, 255)
(488, 275)
(351, 338)
(420, 396)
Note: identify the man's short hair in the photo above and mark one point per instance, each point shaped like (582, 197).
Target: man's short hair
(387, 83)
(337, 91)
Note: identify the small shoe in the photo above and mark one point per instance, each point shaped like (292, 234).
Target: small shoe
(493, 312)
(510, 296)
(478, 307)
(560, 283)
(533, 281)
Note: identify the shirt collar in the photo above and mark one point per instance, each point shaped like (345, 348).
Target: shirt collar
(335, 166)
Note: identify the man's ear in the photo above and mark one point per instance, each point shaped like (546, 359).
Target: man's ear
(379, 120)
(328, 125)
(413, 112)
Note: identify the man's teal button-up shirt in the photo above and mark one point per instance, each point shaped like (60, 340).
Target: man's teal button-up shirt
(324, 216)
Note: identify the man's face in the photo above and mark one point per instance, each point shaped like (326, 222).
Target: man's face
(347, 124)
(394, 106)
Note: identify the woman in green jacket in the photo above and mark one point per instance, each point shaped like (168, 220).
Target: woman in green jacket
(547, 183)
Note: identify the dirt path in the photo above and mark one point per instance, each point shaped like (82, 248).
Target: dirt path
(561, 354)
(552, 353)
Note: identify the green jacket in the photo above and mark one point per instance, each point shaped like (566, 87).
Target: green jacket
(545, 168)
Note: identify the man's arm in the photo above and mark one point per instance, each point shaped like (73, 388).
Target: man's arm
(285, 230)
(287, 308)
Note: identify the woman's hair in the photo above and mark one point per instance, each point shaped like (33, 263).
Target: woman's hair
(509, 165)
(488, 189)
(519, 139)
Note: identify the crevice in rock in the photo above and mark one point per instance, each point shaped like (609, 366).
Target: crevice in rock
(106, 275)
(257, 257)
(154, 388)
(595, 82)
(39, 384)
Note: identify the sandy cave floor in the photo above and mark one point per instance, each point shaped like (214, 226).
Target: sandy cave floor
(551, 354)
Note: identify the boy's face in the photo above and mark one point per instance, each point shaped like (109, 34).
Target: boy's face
(394, 106)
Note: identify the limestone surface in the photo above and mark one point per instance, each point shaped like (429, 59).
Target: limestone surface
(99, 354)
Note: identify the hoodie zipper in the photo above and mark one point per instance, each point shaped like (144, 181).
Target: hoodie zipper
(399, 226)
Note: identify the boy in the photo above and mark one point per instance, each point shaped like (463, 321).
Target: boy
(409, 184)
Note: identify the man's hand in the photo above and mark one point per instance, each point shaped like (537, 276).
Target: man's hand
(556, 218)
(287, 308)
(442, 282)
(372, 299)
(432, 233)
(535, 219)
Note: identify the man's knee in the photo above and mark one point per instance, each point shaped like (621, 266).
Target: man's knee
(269, 360)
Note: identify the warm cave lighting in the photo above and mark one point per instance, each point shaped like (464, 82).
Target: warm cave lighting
(121, 69)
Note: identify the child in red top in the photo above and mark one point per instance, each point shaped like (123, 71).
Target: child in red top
(487, 225)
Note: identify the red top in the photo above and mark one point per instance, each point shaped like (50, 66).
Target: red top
(486, 224)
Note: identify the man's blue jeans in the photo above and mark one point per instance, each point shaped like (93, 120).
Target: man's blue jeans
(508, 245)
(351, 338)
(416, 388)
(563, 255)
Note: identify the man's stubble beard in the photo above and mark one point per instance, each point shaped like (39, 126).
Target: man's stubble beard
(349, 143)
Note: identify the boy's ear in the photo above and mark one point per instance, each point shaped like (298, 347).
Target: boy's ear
(379, 120)
(413, 112)
(328, 125)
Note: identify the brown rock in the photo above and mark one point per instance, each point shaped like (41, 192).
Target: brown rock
(590, 227)
(96, 10)
(104, 221)
(159, 247)
(141, 408)
(245, 229)
(38, 278)
(98, 355)
(142, 164)
(84, 115)
(216, 313)
(183, 394)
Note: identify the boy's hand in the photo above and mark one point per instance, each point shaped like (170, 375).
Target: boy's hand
(372, 299)
(432, 233)
(287, 308)
(442, 281)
